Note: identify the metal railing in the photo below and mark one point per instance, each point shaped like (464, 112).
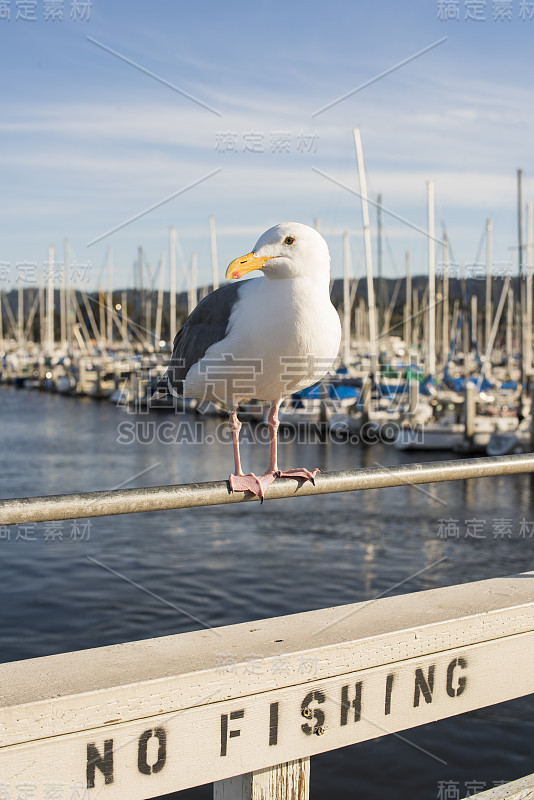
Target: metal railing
(164, 498)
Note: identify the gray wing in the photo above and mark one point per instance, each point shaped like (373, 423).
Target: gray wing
(205, 326)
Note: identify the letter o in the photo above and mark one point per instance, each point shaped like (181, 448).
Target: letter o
(142, 764)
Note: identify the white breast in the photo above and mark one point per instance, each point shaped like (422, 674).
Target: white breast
(283, 336)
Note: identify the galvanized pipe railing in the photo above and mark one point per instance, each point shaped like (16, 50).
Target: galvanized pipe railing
(164, 498)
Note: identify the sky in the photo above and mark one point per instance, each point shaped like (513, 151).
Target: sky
(122, 118)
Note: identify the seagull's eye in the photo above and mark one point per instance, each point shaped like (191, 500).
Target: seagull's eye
(289, 240)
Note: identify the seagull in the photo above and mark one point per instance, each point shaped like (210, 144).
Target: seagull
(264, 338)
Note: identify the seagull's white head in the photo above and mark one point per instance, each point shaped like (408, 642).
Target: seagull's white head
(289, 250)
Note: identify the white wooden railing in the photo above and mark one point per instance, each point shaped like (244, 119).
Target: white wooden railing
(147, 718)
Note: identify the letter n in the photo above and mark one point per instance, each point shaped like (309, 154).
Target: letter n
(103, 762)
(424, 685)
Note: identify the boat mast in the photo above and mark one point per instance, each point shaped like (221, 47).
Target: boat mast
(522, 325)
(528, 338)
(109, 329)
(62, 311)
(140, 290)
(69, 321)
(159, 310)
(101, 338)
(506, 293)
(124, 317)
(380, 298)
(509, 324)
(445, 330)
(172, 283)
(373, 342)
(42, 318)
(346, 300)
(431, 282)
(214, 263)
(489, 267)
(50, 302)
(408, 303)
(20, 310)
(415, 317)
(474, 318)
(192, 291)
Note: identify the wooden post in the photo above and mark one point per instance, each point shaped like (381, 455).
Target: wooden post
(366, 399)
(469, 411)
(413, 388)
(289, 781)
(323, 411)
(81, 376)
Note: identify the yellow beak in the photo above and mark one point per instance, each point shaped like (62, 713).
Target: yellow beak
(248, 263)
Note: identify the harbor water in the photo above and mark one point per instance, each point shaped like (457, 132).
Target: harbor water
(178, 571)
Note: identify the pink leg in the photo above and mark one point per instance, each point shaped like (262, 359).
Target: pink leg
(301, 473)
(258, 485)
(235, 427)
(273, 424)
(241, 482)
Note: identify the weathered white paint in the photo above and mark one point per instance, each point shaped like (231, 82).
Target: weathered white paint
(289, 781)
(165, 714)
(523, 789)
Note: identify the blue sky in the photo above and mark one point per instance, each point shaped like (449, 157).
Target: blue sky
(89, 141)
